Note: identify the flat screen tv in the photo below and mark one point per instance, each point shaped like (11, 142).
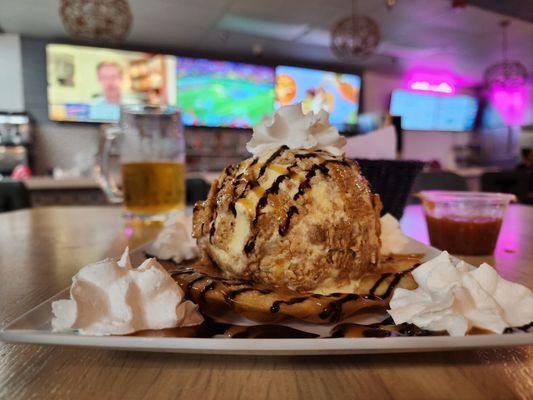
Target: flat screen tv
(334, 92)
(222, 93)
(432, 112)
(491, 118)
(88, 84)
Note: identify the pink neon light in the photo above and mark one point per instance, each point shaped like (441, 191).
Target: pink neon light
(511, 103)
(128, 231)
(442, 87)
(431, 81)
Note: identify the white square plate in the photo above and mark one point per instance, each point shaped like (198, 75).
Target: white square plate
(35, 327)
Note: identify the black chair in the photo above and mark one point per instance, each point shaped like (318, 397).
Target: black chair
(392, 180)
(438, 180)
(515, 182)
(13, 196)
(196, 190)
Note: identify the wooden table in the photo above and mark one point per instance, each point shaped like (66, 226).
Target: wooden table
(41, 249)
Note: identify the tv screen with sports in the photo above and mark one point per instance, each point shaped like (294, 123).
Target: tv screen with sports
(334, 92)
(89, 84)
(222, 93)
(432, 112)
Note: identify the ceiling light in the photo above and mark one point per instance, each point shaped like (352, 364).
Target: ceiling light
(507, 73)
(96, 20)
(355, 36)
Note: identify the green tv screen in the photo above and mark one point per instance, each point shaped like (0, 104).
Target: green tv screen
(222, 93)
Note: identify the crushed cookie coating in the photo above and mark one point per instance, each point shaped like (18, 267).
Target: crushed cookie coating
(285, 220)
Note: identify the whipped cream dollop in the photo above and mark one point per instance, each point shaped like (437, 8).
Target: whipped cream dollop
(113, 298)
(456, 298)
(289, 126)
(175, 241)
(393, 240)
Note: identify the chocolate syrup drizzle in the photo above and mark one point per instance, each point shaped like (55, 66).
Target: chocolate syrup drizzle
(249, 185)
(308, 176)
(384, 329)
(229, 171)
(274, 189)
(263, 201)
(270, 159)
(295, 300)
(200, 284)
(252, 183)
(231, 205)
(210, 328)
(394, 282)
(284, 227)
(306, 184)
(524, 328)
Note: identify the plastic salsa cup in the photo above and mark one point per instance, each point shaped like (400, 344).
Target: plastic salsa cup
(465, 223)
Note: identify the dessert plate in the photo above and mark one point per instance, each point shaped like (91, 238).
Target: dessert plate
(35, 327)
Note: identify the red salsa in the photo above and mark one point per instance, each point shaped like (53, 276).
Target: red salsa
(474, 236)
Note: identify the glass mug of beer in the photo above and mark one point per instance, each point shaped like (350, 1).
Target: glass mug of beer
(149, 146)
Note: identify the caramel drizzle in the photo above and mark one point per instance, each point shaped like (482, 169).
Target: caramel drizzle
(263, 201)
(391, 286)
(267, 331)
(270, 159)
(229, 172)
(332, 311)
(229, 297)
(284, 227)
(274, 189)
(384, 329)
(295, 300)
(322, 167)
(231, 205)
(249, 185)
(254, 161)
(306, 184)
(255, 182)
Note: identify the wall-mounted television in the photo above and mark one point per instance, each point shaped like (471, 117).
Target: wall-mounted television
(222, 93)
(334, 92)
(432, 112)
(88, 84)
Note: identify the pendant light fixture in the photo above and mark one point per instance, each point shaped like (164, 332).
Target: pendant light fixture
(96, 20)
(355, 36)
(506, 74)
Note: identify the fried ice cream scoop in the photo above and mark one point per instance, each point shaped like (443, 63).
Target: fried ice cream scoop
(302, 219)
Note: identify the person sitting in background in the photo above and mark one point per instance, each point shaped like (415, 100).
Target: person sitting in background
(433, 165)
(527, 160)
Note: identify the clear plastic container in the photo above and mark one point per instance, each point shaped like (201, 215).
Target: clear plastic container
(466, 223)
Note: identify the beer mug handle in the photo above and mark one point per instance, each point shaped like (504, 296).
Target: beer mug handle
(107, 168)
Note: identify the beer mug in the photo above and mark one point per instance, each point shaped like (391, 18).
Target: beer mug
(149, 147)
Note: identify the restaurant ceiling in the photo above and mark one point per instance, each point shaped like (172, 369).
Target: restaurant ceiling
(416, 33)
